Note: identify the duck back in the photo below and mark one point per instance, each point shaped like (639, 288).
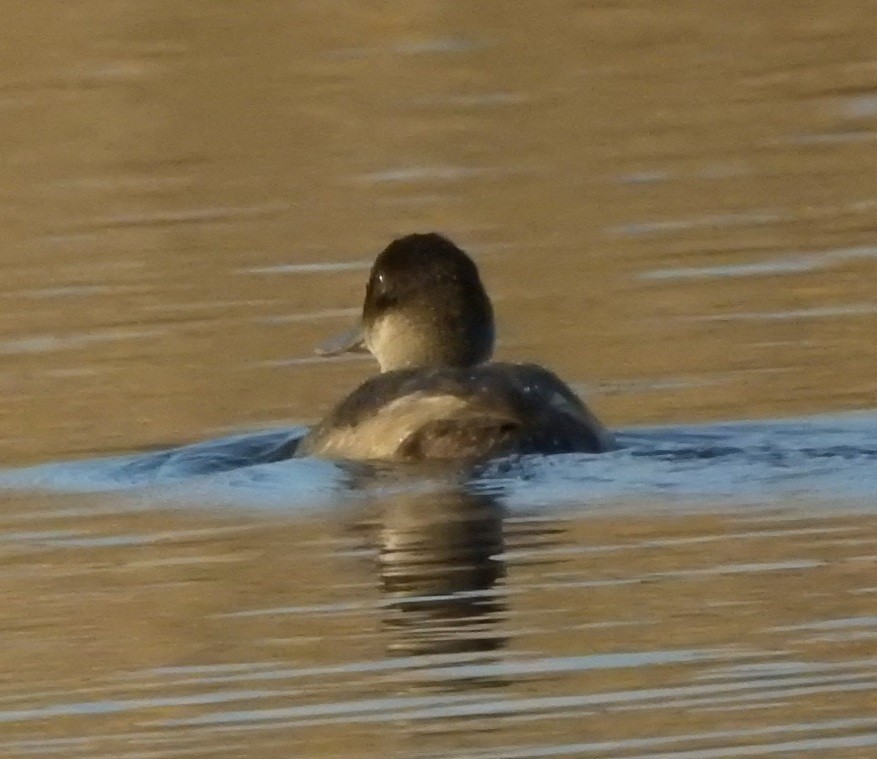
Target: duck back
(457, 413)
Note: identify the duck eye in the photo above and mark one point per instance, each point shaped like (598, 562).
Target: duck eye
(381, 284)
(377, 294)
(375, 285)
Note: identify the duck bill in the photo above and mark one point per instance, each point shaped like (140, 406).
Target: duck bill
(349, 341)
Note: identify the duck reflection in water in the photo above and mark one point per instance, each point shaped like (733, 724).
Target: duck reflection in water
(440, 567)
(439, 557)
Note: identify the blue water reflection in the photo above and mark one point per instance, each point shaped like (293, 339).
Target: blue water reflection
(832, 457)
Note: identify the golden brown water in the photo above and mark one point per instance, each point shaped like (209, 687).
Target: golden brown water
(674, 206)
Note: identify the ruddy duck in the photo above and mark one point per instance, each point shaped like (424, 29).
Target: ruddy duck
(429, 323)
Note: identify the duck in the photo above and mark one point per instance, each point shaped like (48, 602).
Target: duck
(429, 323)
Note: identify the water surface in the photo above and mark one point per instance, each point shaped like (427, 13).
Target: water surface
(673, 208)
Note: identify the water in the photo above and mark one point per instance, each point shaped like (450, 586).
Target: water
(430, 620)
(672, 208)
(818, 458)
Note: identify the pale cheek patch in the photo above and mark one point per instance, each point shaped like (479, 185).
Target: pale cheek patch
(395, 343)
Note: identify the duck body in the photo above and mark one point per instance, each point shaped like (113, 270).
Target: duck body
(458, 413)
(429, 323)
